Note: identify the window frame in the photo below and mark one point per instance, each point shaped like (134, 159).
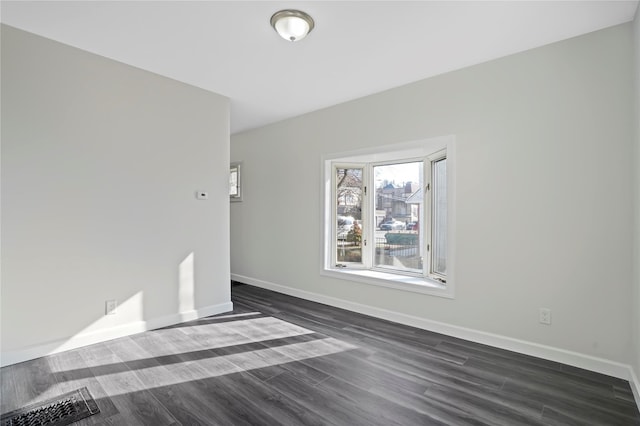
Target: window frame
(334, 212)
(427, 150)
(372, 202)
(429, 206)
(237, 168)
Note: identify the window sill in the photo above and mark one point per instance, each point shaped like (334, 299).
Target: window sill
(399, 282)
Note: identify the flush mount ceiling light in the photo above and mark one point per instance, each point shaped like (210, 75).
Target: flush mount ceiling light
(292, 25)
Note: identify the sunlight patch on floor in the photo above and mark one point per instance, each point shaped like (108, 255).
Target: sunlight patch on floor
(172, 374)
(224, 334)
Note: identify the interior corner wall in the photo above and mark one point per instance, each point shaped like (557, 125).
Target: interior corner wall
(100, 167)
(544, 189)
(636, 256)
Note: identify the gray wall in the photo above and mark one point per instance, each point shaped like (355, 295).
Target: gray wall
(544, 190)
(100, 165)
(636, 256)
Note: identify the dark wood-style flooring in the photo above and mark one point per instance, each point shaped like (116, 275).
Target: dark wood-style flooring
(279, 360)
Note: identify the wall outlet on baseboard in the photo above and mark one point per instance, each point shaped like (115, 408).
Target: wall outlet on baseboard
(110, 307)
(545, 316)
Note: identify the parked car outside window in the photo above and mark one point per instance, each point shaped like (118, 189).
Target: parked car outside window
(394, 225)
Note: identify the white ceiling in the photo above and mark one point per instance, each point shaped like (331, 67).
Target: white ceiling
(357, 47)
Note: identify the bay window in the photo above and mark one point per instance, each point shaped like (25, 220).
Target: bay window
(388, 216)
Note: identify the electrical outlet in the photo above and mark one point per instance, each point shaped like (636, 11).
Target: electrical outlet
(110, 307)
(545, 316)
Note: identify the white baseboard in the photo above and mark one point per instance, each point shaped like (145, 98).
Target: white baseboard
(634, 381)
(550, 353)
(84, 339)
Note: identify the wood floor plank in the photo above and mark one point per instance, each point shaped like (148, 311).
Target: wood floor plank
(279, 360)
(72, 373)
(274, 406)
(185, 383)
(434, 369)
(385, 411)
(9, 398)
(484, 406)
(549, 388)
(32, 382)
(374, 339)
(326, 329)
(596, 377)
(436, 378)
(128, 393)
(482, 352)
(567, 400)
(564, 414)
(170, 386)
(335, 408)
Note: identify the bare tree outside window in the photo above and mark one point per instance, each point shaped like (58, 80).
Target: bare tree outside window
(349, 193)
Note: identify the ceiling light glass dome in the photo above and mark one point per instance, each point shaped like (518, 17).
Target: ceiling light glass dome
(292, 25)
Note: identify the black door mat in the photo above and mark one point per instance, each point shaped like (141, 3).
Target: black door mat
(60, 411)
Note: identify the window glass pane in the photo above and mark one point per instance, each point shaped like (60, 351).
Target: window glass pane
(349, 214)
(439, 255)
(233, 182)
(398, 205)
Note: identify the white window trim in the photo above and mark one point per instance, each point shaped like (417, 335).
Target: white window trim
(416, 149)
